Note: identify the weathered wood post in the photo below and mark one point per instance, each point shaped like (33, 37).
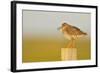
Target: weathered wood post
(68, 54)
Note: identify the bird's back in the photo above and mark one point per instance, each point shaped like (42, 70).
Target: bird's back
(72, 31)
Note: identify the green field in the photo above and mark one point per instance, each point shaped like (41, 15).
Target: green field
(49, 49)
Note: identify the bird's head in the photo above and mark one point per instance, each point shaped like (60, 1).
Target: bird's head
(64, 25)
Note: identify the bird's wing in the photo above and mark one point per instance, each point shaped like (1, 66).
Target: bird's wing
(76, 30)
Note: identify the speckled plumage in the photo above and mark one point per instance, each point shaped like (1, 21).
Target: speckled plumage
(71, 32)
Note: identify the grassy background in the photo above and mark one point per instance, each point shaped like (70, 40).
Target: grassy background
(49, 49)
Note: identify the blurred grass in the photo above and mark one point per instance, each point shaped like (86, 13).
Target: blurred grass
(49, 49)
(84, 48)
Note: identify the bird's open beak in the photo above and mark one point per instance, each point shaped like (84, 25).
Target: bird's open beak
(58, 28)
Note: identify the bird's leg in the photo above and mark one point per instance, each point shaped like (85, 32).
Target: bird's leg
(69, 44)
(73, 43)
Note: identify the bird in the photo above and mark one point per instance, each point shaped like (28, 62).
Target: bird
(71, 33)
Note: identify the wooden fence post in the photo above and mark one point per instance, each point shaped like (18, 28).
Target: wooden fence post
(68, 54)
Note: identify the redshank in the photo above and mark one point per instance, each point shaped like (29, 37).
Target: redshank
(71, 32)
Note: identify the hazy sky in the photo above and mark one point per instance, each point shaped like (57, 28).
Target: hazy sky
(45, 23)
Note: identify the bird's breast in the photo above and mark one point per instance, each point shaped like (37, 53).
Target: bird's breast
(67, 36)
